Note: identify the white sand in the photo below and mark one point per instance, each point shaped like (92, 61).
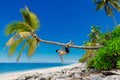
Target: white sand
(12, 76)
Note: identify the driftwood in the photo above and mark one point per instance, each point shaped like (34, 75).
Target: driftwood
(108, 73)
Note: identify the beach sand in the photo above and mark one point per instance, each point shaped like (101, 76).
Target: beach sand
(77, 71)
(16, 75)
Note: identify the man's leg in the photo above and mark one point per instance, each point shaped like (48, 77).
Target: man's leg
(61, 58)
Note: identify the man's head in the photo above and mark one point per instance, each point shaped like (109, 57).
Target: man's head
(56, 50)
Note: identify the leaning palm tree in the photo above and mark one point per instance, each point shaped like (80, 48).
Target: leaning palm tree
(23, 32)
(109, 6)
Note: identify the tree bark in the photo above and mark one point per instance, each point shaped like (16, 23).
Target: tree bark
(72, 46)
(63, 44)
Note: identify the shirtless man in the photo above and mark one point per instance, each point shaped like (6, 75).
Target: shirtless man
(63, 52)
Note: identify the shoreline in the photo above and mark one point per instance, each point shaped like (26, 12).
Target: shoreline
(15, 75)
(35, 68)
(76, 71)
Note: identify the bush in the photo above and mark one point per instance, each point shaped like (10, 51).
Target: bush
(108, 57)
(87, 56)
(118, 64)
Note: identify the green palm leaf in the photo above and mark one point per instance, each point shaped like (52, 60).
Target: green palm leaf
(10, 41)
(30, 18)
(31, 47)
(108, 10)
(24, 34)
(16, 27)
(108, 6)
(22, 30)
(18, 35)
(99, 5)
(21, 50)
(115, 5)
(13, 46)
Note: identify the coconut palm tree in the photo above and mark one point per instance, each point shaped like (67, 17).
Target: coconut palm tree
(23, 32)
(109, 6)
(95, 36)
(95, 39)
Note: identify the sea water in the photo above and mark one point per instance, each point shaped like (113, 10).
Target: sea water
(14, 67)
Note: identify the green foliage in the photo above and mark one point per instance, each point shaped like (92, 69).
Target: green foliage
(108, 5)
(22, 31)
(30, 18)
(95, 39)
(118, 64)
(100, 5)
(15, 27)
(95, 35)
(91, 62)
(13, 46)
(21, 50)
(108, 57)
(87, 56)
(32, 46)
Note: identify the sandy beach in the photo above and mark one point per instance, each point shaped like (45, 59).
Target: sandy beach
(76, 71)
(16, 75)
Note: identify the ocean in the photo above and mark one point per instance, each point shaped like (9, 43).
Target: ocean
(14, 67)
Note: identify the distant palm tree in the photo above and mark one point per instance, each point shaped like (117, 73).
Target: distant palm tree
(94, 36)
(109, 6)
(23, 33)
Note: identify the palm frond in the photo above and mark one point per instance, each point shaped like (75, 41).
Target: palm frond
(115, 5)
(32, 46)
(10, 41)
(99, 5)
(24, 34)
(15, 27)
(30, 18)
(21, 50)
(34, 21)
(108, 10)
(13, 46)
(115, 0)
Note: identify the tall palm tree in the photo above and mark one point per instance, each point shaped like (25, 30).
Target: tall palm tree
(23, 32)
(94, 36)
(109, 6)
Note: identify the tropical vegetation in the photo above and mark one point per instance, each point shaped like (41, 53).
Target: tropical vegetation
(109, 6)
(95, 39)
(108, 57)
(23, 32)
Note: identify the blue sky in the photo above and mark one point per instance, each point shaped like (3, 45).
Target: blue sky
(60, 20)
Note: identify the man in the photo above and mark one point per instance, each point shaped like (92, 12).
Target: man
(63, 52)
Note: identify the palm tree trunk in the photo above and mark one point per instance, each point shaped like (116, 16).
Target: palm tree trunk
(115, 23)
(62, 44)
(72, 46)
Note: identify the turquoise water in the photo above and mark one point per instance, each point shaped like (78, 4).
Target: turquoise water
(14, 67)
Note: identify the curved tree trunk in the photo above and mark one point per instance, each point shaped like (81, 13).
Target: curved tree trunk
(72, 46)
(63, 44)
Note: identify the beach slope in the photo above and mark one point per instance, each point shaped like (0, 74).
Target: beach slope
(77, 71)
